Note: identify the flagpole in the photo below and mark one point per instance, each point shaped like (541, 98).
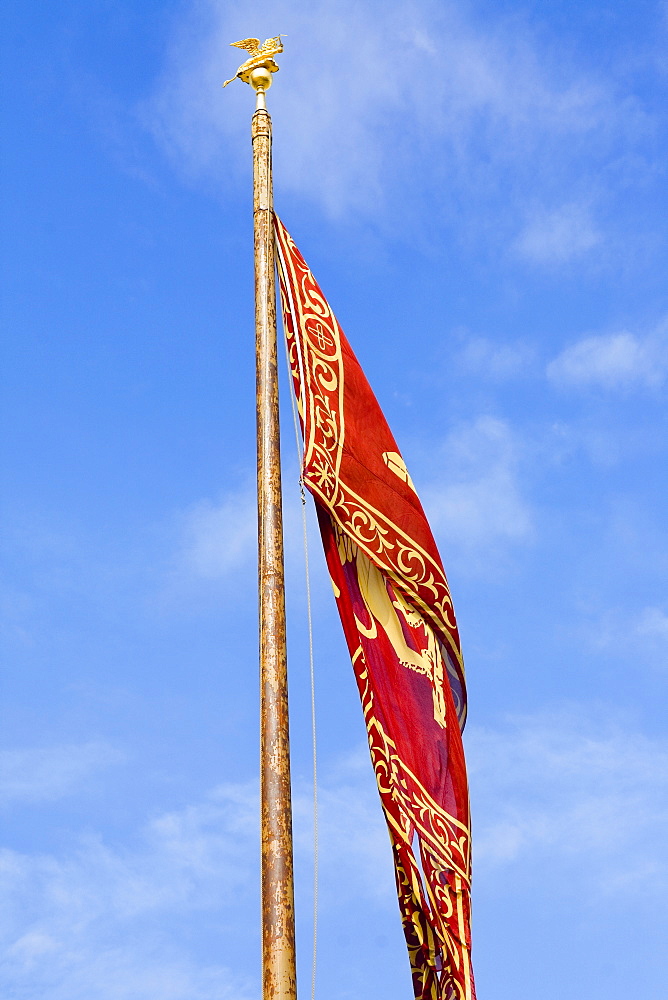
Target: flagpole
(278, 924)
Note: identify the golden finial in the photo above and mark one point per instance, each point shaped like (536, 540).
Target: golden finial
(258, 68)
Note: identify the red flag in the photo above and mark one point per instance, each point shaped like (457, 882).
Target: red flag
(397, 615)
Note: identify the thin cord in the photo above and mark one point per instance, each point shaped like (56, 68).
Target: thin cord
(315, 745)
(307, 571)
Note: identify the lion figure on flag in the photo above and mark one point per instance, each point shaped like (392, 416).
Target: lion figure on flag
(395, 616)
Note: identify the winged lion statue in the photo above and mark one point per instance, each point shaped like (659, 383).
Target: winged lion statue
(260, 55)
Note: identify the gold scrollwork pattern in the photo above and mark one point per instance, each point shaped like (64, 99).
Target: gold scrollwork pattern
(400, 587)
(316, 363)
(435, 909)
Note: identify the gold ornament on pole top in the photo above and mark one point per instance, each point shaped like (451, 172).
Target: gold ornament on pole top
(257, 70)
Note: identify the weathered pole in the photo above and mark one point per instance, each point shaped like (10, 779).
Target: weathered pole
(278, 924)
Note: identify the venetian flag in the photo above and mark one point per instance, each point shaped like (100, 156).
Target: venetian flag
(397, 615)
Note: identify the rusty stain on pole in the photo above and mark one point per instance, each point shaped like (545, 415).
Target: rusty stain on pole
(278, 924)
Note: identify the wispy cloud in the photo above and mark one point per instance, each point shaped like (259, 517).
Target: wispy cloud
(44, 965)
(558, 236)
(573, 789)
(46, 773)
(653, 625)
(646, 628)
(495, 360)
(614, 361)
(370, 93)
(219, 537)
(217, 540)
(355, 853)
(107, 922)
(478, 504)
(81, 924)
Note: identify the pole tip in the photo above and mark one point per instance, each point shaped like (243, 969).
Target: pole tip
(258, 68)
(260, 80)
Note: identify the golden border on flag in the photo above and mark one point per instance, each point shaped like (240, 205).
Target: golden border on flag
(397, 614)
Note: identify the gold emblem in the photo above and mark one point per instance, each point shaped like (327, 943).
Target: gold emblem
(397, 619)
(260, 57)
(396, 464)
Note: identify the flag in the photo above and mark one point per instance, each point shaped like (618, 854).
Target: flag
(399, 623)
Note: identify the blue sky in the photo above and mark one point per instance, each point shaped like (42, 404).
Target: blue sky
(480, 190)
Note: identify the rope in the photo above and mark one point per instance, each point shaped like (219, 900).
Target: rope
(314, 741)
(307, 573)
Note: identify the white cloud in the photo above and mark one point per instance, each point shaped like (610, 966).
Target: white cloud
(653, 624)
(219, 538)
(213, 547)
(614, 361)
(103, 921)
(496, 360)
(572, 790)
(42, 774)
(216, 540)
(558, 236)
(479, 502)
(647, 628)
(367, 94)
(51, 968)
(355, 852)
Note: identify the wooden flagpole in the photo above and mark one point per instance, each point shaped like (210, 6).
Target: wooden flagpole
(278, 924)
